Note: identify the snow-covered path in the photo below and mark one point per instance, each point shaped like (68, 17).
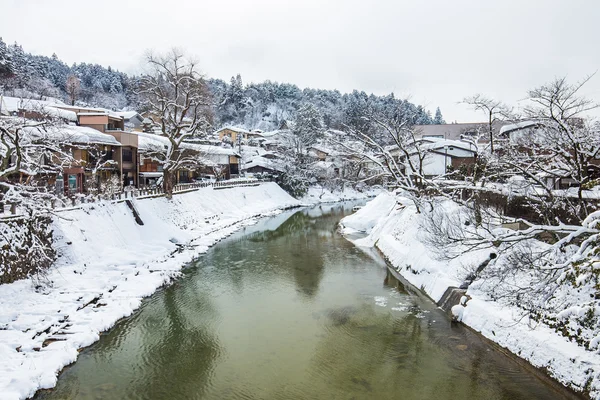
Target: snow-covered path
(108, 264)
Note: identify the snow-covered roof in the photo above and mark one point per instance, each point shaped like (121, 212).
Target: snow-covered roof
(264, 163)
(16, 103)
(73, 134)
(89, 110)
(101, 113)
(128, 114)
(234, 128)
(454, 131)
(149, 141)
(517, 126)
(438, 143)
(57, 112)
(48, 107)
(270, 133)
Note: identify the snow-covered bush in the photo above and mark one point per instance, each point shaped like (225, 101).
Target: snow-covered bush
(293, 182)
(26, 245)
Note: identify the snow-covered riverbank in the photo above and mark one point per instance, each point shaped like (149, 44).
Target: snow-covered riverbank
(108, 263)
(393, 226)
(319, 194)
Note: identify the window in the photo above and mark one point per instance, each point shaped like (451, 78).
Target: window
(127, 155)
(73, 183)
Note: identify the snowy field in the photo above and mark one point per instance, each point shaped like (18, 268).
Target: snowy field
(392, 225)
(107, 265)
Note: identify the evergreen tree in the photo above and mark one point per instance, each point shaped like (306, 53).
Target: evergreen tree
(6, 65)
(438, 119)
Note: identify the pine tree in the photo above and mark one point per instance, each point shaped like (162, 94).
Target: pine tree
(307, 127)
(236, 91)
(6, 65)
(438, 119)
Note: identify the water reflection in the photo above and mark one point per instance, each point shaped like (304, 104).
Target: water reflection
(293, 311)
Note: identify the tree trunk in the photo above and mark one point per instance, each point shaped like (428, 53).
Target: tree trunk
(491, 133)
(168, 179)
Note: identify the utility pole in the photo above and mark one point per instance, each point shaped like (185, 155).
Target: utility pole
(239, 140)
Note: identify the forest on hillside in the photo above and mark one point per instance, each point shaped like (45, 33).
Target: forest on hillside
(262, 105)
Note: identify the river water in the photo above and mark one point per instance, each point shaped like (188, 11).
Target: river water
(288, 309)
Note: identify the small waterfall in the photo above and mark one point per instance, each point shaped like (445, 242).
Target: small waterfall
(451, 297)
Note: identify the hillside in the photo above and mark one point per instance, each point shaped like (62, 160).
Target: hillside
(256, 106)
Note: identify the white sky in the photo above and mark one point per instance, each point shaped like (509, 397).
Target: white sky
(435, 51)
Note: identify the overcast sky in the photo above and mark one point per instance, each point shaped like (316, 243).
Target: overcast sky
(435, 51)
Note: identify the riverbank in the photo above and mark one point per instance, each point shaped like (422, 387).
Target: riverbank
(393, 226)
(318, 194)
(107, 264)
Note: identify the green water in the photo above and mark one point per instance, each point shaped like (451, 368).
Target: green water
(289, 309)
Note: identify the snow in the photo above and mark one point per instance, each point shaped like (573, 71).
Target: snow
(517, 126)
(149, 141)
(208, 154)
(235, 129)
(127, 114)
(319, 194)
(108, 264)
(458, 311)
(264, 163)
(74, 134)
(439, 144)
(393, 226)
(50, 107)
(369, 215)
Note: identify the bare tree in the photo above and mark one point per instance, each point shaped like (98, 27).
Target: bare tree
(494, 110)
(544, 266)
(560, 143)
(395, 149)
(175, 92)
(73, 86)
(25, 146)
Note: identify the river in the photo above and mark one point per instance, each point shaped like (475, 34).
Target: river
(289, 309)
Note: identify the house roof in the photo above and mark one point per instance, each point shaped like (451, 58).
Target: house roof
(454, 131)
(262, 162)
(91, 113)
(149, 141)
(74, 134)
(109, 114)
(48, 107)
(234, 128)
(89, 110)
(437, 144)
(268, 134)
(129, 114)
(517, 126)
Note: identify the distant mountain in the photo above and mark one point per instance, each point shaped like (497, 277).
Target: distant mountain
(256, 106)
